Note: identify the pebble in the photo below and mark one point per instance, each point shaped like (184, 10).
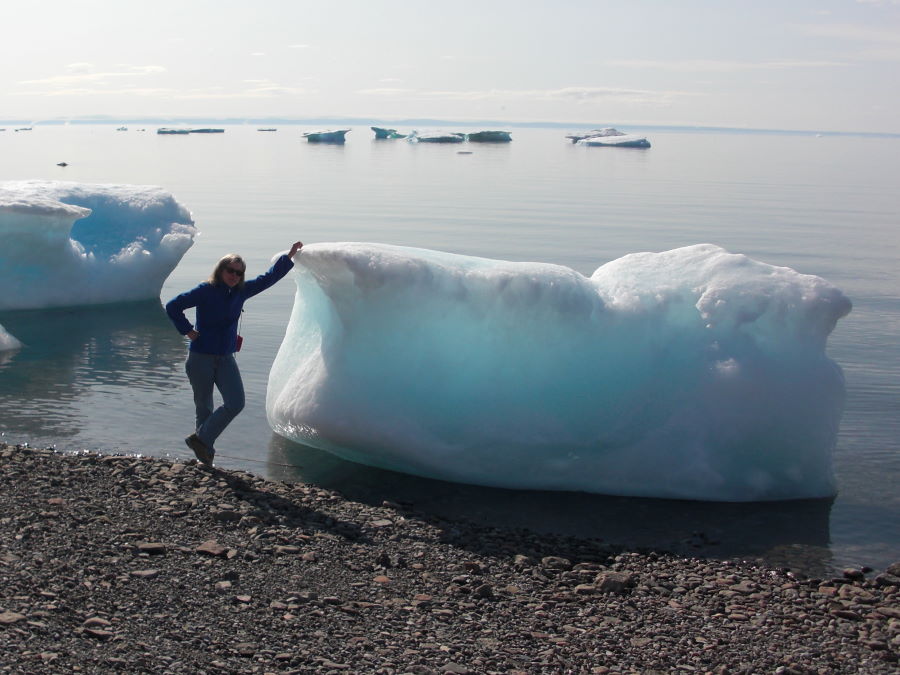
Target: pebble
(8, 618)
(154, 548)
(263, 577)
(95, 621)
(212, 548)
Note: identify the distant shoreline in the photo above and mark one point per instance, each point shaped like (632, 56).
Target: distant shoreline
(427, 122)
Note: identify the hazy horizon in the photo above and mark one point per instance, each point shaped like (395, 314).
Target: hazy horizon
(808, 65)
(408, 124)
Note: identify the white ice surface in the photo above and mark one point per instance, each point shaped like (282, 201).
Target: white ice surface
(67, 243)
(619, 139)
(693, 373)
(7, 341)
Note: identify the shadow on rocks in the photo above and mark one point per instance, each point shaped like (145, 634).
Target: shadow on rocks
(792, 534)
(274, 502)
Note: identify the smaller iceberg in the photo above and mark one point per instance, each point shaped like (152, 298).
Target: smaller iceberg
(611, 137)
(594, 133)
(383, 134)
(65, 244)
(489, 137)
(328, 136)
(7, 341)
(623, 141)
(182, 132)
(435, 137)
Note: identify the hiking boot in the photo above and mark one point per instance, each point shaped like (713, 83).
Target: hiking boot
(201, 451)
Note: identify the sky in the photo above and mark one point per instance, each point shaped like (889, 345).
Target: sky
(830, 65)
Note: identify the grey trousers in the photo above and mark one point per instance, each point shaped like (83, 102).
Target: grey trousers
(204, 371)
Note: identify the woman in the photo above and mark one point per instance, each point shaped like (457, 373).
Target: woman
(214, 340)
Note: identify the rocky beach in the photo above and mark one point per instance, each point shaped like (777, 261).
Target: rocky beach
(141, 564)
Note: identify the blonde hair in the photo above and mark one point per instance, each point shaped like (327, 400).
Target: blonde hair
(230, 259)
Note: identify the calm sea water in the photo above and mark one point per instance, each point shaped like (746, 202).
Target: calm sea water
(111, 378)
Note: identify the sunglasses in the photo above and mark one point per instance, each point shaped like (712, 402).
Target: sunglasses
(231, 270)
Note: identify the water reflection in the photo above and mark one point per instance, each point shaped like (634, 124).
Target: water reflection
(789, 534)
(83, 362)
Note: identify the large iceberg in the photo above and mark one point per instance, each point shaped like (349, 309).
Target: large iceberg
(67, 243)
(693, 373)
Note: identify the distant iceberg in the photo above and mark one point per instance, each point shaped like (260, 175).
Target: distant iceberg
(606, 131)
(594, 133)
(623, 141)
(435, 137)
(7, 341)
(609, 136)
(489, 137)
(181, 131)
(67, 243)
(693, 373)
(383, 134)
(336, 136)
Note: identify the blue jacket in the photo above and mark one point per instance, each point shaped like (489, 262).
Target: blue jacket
(219, 308)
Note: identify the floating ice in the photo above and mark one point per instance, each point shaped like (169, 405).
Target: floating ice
(435, 137)
(693, 373)
(7, 341)
(594, 133)
(327, 136)
(75, 244)
(622, 141)
(609, 136)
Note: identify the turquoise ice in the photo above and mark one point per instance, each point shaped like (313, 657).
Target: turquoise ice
(693, 373)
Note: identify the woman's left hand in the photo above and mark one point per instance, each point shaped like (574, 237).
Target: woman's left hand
(296, 247)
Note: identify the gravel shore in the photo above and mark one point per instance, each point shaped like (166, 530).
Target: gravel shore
(138, 564)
